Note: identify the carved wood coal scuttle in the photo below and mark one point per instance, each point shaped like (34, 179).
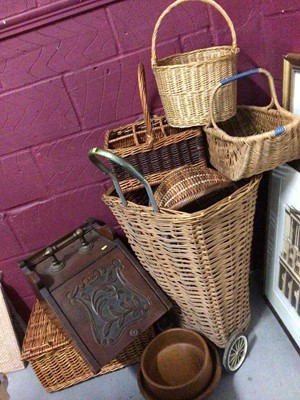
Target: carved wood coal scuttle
(98, 291)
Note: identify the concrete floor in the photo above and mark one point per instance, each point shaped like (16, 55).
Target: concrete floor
(270, 372)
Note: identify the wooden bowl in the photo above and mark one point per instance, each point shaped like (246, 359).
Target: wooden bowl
(217, 370)
(177, 365)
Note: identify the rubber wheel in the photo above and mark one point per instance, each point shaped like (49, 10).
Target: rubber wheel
(235, 352)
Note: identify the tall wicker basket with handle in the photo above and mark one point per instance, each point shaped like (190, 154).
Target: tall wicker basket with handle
(151, 145)
(201, 260)
(185, 81)
(256, 139)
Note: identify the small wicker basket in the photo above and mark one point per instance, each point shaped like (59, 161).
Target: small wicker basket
(192, 186)
(56, 361)
(151, 145)
(256, 139)
(185, 81)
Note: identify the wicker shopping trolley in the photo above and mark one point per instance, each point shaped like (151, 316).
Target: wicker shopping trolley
(200, 259)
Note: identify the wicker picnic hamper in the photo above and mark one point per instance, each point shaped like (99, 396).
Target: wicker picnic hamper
(201, 260)
(151, 145)
(185, 81)
(56, 361)
(256, 139)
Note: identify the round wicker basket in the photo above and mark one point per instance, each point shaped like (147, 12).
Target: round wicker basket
(185, 81)
(191, 183)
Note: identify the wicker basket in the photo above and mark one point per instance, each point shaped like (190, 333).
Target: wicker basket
(10, 354)
(152, 146)
(192, 186)
(185, 81)
(56, 361)
(201, 260)
(256, 139)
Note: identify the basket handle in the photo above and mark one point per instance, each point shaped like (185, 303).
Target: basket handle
(94, 155)
(175, 4)
(143, 97)
(223, 82)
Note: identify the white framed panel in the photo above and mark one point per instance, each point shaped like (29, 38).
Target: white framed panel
(282, 275)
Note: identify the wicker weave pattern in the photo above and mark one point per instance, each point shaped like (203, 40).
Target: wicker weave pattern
(168, 151)
(200, 260)
(186, 184)
(246, 144)
(152, 145)
(185, 81)
(56, 361)
(10, 354)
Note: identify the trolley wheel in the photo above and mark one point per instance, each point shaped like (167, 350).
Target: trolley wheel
(235, 352)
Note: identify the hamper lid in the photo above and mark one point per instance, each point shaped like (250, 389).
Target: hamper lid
(98, 292)
(42, 336)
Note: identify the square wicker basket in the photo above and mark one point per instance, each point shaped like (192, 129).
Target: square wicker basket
(56, 361)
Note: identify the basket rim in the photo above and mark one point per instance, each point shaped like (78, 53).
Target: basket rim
(129, 126)
(187, 134)
(234, 50)
(172, 215)
(211, 130)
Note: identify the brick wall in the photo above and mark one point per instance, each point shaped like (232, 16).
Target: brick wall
(65, 82)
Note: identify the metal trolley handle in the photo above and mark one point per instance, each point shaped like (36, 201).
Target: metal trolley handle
(94, 155)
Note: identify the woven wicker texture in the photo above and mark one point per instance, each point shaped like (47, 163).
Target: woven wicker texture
(152, 146)
(187, 184)
(10, 354)
(247, 145)
(56, 361)
(200, 260)
(185, 81)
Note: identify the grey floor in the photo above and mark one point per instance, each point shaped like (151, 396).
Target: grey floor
(270, 372)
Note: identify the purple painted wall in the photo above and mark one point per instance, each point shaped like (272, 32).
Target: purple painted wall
(63, 84)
